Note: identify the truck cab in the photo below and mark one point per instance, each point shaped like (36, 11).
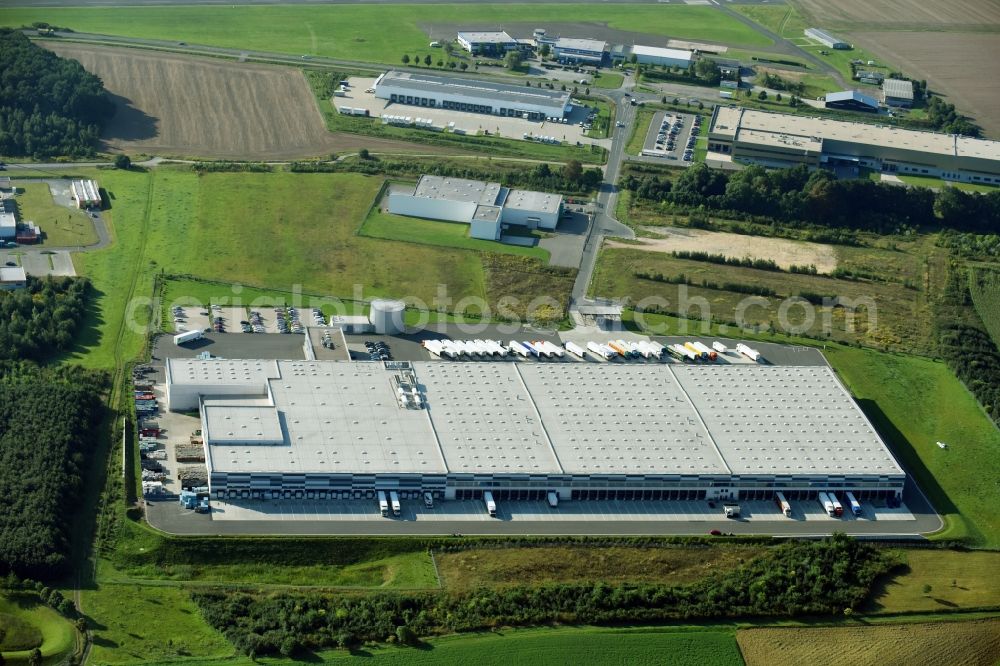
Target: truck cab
(731, 510)
(428, 500)
(383, 504)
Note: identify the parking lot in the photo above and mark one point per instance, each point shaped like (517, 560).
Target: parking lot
(227, 319)
(56, 262)
(573, 130)
(672, 136)
(226, 345)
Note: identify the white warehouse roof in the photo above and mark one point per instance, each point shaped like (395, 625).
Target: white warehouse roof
(535, 418)
(656, 52)
(486, 37)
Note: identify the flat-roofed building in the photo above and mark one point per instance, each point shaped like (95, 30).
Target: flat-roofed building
(897, 92)
(329, 429)
(8, 219)
(12, 277)
(651, 55)
(778, 139)
(86, 193)
(472, 95)
(572, 50)
(488, 207)
(826, 39)
(490, 43)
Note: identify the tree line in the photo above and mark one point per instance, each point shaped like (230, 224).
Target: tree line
(48, 105)
(796, 195)
(820, 578)
(48, 417)
(43, 318)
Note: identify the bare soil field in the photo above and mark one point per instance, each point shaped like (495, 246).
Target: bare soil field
(974, 15)
(943, 58)
(785, 253)
(975, 643)
(183, 106)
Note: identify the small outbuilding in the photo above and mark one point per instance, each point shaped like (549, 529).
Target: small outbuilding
(897, 92)
(12, 277)
(851, 100)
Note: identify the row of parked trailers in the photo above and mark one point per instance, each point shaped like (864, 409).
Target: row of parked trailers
(649, 349)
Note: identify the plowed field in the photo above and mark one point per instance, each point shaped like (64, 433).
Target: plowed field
(902, 14)
(183, 106)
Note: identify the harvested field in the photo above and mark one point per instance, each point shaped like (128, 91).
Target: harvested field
(943, 59)
(785, 253)
(182, 106)
(903, 14)
(975, 643)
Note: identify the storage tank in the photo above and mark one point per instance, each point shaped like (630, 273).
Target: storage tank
(387, 316)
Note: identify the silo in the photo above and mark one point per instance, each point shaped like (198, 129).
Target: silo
(387, 316)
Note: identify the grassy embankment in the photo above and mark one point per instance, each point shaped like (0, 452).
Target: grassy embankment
(62, 226)
(984, 284)
(26, 624)
(937, 183)
(372, 33)
(607, 80)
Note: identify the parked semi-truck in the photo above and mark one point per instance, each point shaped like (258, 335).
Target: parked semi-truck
(519, 349)
(838, 508)
(394, 500)
(383, 504)
(827, 504)
(731, 510)
(188, 336)
(694, 350)
(682, 352)
(719, 347)
(749, 352)
(575, 349)
(854, 504)
(783, 505)
(553, 499)
(706, 351)
(491, 506)
(600, 350)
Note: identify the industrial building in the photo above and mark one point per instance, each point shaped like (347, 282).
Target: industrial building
(851, 100)
(781, 140)
(897, 92)
(8, 219)
(573, 51)
(488, 208)
(12, 277)
(86, 193)
(488, 43)
(826, 39)
(340, 429)
(473, 95)
(651, 55)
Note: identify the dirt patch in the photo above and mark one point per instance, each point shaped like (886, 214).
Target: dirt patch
(184, 106)
(583, 30)
(903, 14)
(785, 253)
(944, 58)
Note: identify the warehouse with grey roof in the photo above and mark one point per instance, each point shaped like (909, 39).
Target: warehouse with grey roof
(325, 429)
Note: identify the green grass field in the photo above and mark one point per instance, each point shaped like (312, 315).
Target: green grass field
(62, 226)
(434, 232)
(914, 403)
(958, 581)
(381, 33)
(643, 116)
(608, 80)
(782, 20)
(937, 183)
(26, 623)
(985, 288)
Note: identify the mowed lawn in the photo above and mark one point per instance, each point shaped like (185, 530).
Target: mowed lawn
(915, 403)
(281, 231)
(956, 580)
(376, 33)
(62, 226)
(27, 623)
(973, 643)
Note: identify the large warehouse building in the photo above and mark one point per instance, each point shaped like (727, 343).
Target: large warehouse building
(474, 95)
(86, 193)
(826, 39)
(488, 208)
(335, 429)
(651, 55)
(781, 140)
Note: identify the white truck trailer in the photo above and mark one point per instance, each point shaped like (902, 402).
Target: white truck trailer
(749, 352)
(600, 350)
(854, 504)
(519, 349)
(827, 504)
(553, 499)
(188, 336)
(383, 504)
(719, 347)
(394, 500)
(575, 350)
(783, 505)
(731, 510)
(491, 506)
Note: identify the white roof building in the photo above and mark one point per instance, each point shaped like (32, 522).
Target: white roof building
(12, 277)
(277, 425)
(651, 55)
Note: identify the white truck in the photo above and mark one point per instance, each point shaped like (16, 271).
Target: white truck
(731, 510)
(383, 504)
(491, 506)
(827, 504)
(749, 352)
(854, 504)
(394, 500)
(553, 498)
(783, 505)
(188, 336)
(575, 350)
(428, 499)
